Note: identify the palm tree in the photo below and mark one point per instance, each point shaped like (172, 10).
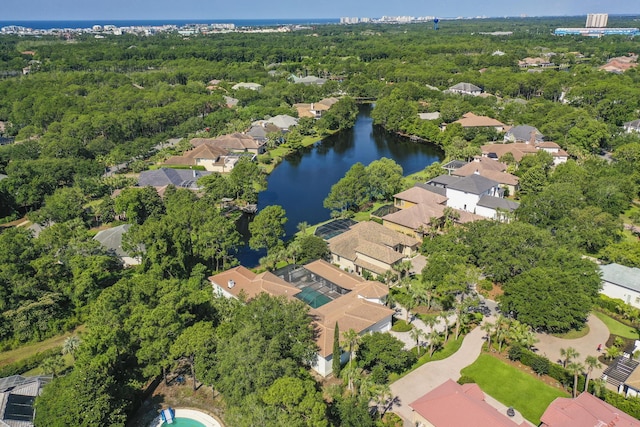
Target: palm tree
(488, 328)
(350, 373)
(71, 345)
(445, 320)
(612, 352)
(435, 341)
(52, 365)
(569, 353)
(416, 334)
(351, 339)
(402, 268)
(575, 369)
(410, 304)
(599, 386)
(591, 362)
(382, 396)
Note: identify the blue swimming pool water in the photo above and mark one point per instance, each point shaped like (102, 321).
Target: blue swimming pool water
(312, 297)
(184, 422)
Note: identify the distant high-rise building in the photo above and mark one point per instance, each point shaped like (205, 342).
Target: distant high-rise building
(597, 20)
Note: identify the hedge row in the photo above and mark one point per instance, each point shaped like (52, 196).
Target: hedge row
(29, 363)
(543, 366)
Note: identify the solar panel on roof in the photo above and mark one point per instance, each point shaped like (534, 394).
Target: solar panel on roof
(19, 408)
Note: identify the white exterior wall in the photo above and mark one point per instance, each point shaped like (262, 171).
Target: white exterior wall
(324, 365)
(486, 212)
(627, 295)
(219, 290)
(461, 200)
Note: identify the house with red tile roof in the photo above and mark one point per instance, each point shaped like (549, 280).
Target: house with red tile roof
(586, 410)
(470, 120)
(335, 297)
(454, 405)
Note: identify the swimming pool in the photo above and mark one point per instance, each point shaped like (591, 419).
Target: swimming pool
(312, 297)
(185, 422)
(188, 418)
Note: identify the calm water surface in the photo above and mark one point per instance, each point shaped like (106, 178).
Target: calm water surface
(303, 180)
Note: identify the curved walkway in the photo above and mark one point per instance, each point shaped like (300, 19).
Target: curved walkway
(550, 346)
(427, 377)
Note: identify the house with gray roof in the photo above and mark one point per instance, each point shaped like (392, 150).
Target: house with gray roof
(464, 193)
(244, 85)
(17, 395)
(182, 178)
(283, 121)
(621, 282)
(632, 126)
(497, 208)
(524, 133)
(111, 240)
(308, 80)
(465, 89)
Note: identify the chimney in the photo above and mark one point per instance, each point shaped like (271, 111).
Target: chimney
(231, 283)
(477, 172)
(532, 139)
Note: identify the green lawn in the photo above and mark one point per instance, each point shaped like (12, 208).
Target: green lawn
(617, 328)
(23, 352)
(513, 387)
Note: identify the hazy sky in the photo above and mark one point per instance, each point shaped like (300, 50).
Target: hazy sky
(257, 9)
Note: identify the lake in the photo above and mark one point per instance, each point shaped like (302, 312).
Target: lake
(303, 180)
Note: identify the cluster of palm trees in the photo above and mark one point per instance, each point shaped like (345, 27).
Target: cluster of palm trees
(506, 330)
(570, 362)
(55, 365)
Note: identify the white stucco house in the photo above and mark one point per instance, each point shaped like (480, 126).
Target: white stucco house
(465, 193)
(619, 281)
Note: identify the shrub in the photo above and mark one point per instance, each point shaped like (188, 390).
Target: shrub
(401, 326)
(540, 366)
(485, 285)
(515, 352)
(465, 379)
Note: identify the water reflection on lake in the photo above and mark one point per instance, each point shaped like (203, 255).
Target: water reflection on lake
(303, 180)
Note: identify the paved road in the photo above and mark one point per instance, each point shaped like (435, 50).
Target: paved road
(550, 346)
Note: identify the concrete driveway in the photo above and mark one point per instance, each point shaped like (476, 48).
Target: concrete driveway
(427, 377)
(550, 346)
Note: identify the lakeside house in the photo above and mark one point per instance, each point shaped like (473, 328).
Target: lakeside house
(470, 120)
(334, 297)
(370, 248)
(315, 110)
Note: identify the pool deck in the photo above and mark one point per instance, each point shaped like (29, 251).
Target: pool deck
(199, 416)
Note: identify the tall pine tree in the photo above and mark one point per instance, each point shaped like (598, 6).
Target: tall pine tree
(336, 352)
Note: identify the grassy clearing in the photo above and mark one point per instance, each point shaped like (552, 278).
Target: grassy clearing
(513, 387)
(23, 352)
(617, 328)
(573, 334)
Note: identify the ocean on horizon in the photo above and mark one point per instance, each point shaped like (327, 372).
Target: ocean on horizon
(47, 25)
